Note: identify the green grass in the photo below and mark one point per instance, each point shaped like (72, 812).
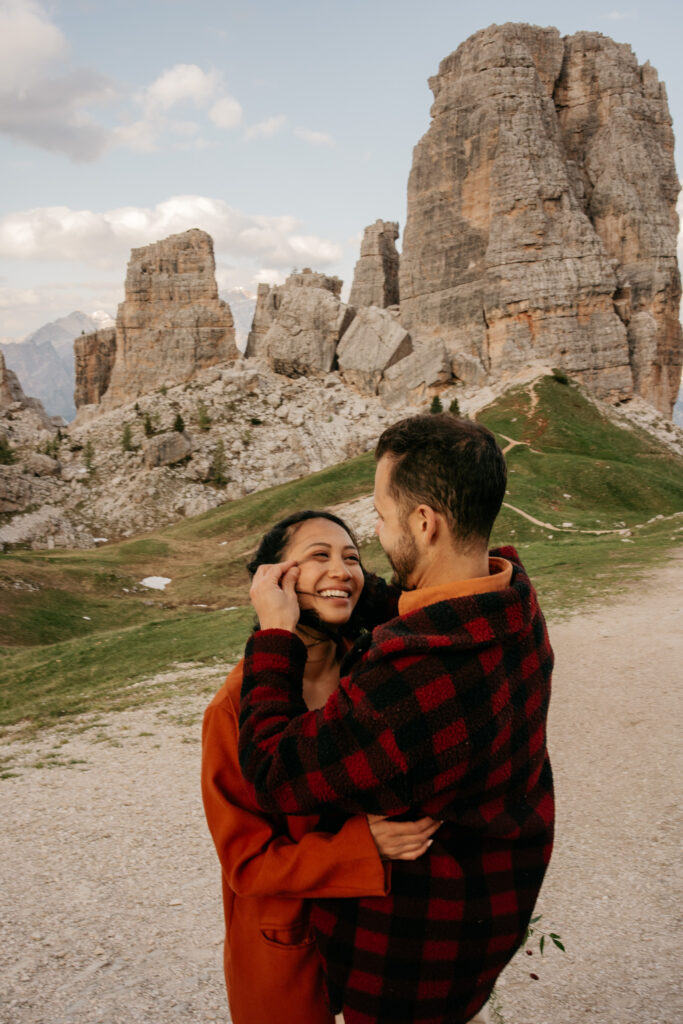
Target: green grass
(43, 685)
(79, 633)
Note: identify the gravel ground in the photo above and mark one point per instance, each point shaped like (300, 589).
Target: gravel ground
(109, 902)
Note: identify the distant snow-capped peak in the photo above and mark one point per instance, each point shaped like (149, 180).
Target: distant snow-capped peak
(102, 319)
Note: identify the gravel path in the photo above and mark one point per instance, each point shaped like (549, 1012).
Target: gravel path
(109, 901)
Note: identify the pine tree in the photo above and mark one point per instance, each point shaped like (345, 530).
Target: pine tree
(203, 418)
(179, 423)
(436, 406)
(219, 465)
(7, 456)
(127, 439)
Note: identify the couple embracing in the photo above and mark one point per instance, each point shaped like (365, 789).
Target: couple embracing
(375, 772)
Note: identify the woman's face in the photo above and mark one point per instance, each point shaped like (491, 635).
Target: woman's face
(330, 579)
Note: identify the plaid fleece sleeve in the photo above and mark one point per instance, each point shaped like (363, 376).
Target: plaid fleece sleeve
(299, 760)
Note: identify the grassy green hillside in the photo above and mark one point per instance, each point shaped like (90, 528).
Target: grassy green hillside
(78, 631)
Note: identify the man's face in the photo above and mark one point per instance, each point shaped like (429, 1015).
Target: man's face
(393, 528)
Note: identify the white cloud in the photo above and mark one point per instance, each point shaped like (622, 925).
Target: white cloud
(103, 240)
(29, 44)
(619, 15)
(43, 101)
(182, 83)
(266, 129)
(47, 102)
(314, 138)
(226, 112)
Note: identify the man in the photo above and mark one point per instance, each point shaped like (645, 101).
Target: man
(441, 712)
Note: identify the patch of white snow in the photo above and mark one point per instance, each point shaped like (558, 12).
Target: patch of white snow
(155, 582)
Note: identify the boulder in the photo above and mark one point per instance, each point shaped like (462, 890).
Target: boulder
(42, 465)
(374, 342)
(375, 279)
(407, 382)
(167, 449)
(307, 319)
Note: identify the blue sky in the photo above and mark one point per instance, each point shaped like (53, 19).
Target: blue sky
(282, 129)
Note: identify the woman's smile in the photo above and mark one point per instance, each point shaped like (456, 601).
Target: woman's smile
(330, 574)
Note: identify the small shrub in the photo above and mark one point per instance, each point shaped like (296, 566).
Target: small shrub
(179, 423)
(436, 407)
(163, 389)
(560, 376)
(7, 455)
(51, 447)
(127, 439)
(454, 407)
(203, 418)
(89, 455)
(219, 465)
(147, 425)
(255, 420)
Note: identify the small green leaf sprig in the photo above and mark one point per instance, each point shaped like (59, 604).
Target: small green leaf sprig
(533, 929)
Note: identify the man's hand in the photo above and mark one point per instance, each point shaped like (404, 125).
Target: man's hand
(273, 595)
(402, 840)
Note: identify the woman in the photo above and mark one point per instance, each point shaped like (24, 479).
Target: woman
(271, 866)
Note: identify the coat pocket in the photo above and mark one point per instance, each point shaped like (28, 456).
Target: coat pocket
(291, 936)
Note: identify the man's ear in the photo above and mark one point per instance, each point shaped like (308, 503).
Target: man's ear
(426, 522)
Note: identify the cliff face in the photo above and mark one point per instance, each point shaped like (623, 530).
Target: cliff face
(171, 323)
(94, 356)
(541, 214)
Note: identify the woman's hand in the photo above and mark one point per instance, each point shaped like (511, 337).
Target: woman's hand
(273, 595)
(402, 840)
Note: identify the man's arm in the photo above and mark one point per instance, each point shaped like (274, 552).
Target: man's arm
(258, 861)
(345, 753)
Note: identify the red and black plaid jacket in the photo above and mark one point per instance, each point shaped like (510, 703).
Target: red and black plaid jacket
(443, 713)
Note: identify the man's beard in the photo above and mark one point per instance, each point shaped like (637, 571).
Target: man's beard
(403, 560)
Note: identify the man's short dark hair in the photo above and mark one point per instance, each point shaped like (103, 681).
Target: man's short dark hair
(453, 465)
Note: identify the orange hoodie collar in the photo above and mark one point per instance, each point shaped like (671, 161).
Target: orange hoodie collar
(500, 574)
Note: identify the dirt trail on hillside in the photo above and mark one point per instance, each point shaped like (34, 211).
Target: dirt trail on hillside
(109, 890)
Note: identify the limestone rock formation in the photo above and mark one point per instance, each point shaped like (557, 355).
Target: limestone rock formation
(541, 214)
(94, 360)
(374, 342)
(18, 407)
(375, 279)
(298, 325)
(617, 132)
(172, 322)
(268, 299)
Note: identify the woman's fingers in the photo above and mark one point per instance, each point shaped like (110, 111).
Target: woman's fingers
(402, 840)
(273, 595)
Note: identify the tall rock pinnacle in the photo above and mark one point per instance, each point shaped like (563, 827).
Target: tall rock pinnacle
(541, 213)
(172, 322)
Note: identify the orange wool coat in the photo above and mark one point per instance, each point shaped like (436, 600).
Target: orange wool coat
(270, 867)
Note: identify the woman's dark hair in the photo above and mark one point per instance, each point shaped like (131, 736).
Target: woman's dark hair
(273, 544)
(272, 549)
